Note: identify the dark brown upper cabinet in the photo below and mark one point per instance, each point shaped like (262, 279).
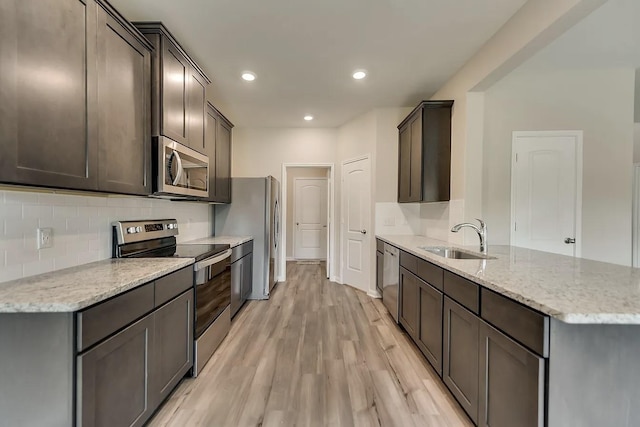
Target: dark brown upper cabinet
(178, 89)
(48, 93)
(218, 149)
(424, 153)
(124, 98)
(74, 97)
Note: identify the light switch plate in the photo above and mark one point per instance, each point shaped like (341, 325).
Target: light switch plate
(45, 238)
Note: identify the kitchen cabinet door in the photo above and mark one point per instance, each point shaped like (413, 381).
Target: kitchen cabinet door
(404, 165)
(197, 107)
(48, 93)
(223, 162)
(175, 82)
(460, 356)
(247, 277)
(430, 328)
(124, 96)
(173, 344)
(512, 382)
(415, 192)
(114, 378)
(211, 130)
(409, 302)
(237, 273)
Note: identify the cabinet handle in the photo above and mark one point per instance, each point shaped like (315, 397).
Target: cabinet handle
(569, 240)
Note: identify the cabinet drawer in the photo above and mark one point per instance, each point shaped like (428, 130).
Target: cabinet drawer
(100, 321)
(379, 245)
(241, 250)
(463, 291)
(173, 284)
(432, 274)
(408, 261)
(521, 323)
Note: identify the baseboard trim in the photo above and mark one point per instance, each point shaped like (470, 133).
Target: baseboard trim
(374, 294)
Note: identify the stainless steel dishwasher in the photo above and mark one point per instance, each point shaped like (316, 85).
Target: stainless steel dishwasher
(391, 279)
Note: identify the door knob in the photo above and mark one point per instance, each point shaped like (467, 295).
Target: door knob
(363, 231)
(569, 240)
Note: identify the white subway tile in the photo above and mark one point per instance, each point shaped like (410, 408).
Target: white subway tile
(11, 272)
(20, 197)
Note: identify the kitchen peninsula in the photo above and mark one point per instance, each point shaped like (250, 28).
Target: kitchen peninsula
(555, 338)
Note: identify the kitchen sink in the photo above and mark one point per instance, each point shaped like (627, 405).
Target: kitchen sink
(453, 253)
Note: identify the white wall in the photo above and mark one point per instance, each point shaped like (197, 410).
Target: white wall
(599, 102)
(534, 26)
(262, 151)
(81, 227)
(292, 174)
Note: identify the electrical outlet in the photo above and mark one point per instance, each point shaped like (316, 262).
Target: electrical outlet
(45, 238)
(389, 221)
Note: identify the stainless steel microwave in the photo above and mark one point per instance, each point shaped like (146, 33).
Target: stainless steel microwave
(181, 171)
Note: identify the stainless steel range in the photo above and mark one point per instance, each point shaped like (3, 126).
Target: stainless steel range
(212, 276)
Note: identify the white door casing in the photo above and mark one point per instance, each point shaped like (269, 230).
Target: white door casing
(310, 218)
(356, 218)
(546, 191)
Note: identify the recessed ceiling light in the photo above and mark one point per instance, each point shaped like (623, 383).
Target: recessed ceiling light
(308, 118)
(248, 76)
(359, 75)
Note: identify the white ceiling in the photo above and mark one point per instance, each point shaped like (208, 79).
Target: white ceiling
(304, 51)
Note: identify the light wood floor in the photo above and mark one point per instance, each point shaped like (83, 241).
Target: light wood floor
(317, 353)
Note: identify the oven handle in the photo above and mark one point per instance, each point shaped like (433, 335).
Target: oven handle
(210, 261)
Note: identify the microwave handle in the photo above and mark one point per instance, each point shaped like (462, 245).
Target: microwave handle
(179, 173)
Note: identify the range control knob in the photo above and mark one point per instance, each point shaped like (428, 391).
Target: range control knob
(131, 230)
(172, 226)
(138, 229)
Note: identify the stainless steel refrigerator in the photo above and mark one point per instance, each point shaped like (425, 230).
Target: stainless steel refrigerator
(255, 211)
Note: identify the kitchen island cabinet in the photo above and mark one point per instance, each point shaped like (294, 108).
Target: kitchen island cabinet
(536, 339)
(108, 363)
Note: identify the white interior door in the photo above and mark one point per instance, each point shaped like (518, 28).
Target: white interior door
(545, 191)
(356, 214)
(310, 217)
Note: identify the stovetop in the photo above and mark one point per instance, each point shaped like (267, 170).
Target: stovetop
(199, 252)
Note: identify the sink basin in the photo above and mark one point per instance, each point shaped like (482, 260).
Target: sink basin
(453, 253)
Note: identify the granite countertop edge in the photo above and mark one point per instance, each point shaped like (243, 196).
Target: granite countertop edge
(65, 291)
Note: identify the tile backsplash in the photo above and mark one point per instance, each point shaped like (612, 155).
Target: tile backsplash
(424, 219)
(81, 227)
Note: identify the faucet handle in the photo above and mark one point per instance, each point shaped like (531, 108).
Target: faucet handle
(482, 223)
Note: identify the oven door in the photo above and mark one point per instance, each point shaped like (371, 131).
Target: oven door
(213, 290)
(181, 170)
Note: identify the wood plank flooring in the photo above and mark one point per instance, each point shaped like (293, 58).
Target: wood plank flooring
(316, 354)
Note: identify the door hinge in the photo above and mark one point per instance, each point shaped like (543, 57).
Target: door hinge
(516, 157)
(515, 226)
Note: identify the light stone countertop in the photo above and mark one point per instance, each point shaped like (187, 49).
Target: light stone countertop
(573, 290)
(233, 241)
(76, 288)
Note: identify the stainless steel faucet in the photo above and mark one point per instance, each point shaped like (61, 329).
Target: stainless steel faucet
(482, 232)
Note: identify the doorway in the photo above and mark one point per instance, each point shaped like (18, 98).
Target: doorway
(307, 217)
(546, 191)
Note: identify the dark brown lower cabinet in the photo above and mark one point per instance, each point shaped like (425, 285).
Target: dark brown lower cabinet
(460, 355)
(512, 382)
(409, 302)
(114, 378)
(247, 277)
(430, 328)
(122, 380)
(173, 344)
